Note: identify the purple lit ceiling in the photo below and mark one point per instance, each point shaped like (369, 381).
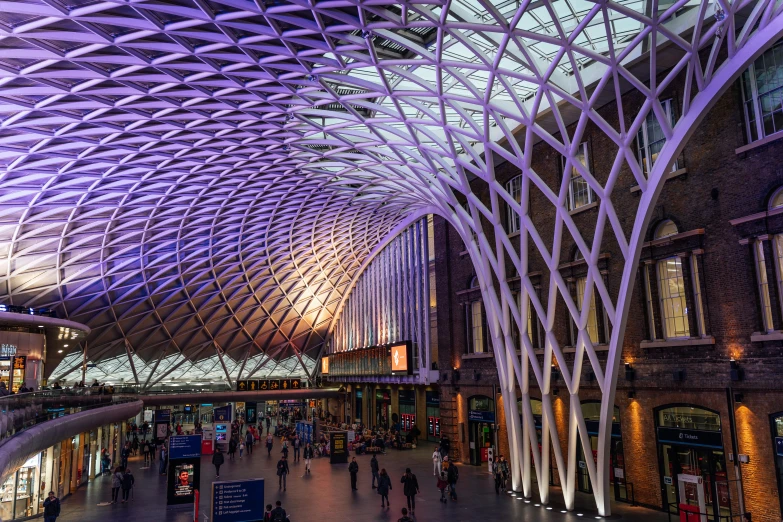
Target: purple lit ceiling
(202, 179)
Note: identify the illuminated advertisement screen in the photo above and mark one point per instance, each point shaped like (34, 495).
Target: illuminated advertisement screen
(325, 366)
(183, 480)
(399, 358)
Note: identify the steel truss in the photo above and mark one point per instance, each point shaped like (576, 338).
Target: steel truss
(206, 177)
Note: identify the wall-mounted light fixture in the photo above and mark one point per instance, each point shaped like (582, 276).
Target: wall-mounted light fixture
(631, 394)
(630, 373)
(555, 373)
(738, 398)
(735, 372)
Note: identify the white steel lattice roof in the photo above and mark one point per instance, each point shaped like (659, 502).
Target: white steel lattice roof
(203, 178)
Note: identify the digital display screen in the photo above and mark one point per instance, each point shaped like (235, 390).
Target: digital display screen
(399, 358)
(325, 366)
(183, 480)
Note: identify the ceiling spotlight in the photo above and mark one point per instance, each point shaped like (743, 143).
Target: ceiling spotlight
(59, 351)
(40, 326)
(65, 346)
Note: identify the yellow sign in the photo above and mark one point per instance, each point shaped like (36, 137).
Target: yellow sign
(325, 366)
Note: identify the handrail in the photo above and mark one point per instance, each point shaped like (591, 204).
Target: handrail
(19, 412)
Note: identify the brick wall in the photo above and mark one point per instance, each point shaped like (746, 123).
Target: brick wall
(718, 186)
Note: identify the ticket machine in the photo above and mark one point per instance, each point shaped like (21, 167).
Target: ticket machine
(222, 435)
(688, 512)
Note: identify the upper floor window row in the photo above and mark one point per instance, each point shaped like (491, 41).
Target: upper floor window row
(762, 94)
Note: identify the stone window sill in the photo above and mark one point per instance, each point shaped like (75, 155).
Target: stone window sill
(571, 349)
(478, 356)
(760, 143)
(693, 341)
(758, 337)
(584, 208)
(673, 174)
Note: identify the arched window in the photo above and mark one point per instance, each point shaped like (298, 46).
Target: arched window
(776, 201)
(671, 288)
(475, 321)
(592, 314)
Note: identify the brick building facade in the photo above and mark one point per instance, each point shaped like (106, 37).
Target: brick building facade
(721, 354)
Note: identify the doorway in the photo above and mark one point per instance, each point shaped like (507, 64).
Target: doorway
(690, 443)
(591, 410)
(481, 428)
(383, 408)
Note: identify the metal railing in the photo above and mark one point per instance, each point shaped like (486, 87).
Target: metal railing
(677, 515)
(24, 410)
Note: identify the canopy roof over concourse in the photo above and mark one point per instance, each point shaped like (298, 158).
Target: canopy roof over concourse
(199, 181)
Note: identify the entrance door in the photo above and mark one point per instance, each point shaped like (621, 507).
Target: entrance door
(703, 462)
(616, 468)
(481, 437)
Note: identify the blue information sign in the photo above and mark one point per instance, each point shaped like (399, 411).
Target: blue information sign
(184, 447)
(238, 500)
(163, 416)
(481, 416)
(223, 414)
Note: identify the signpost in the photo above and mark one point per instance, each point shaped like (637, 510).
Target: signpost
(238, 500)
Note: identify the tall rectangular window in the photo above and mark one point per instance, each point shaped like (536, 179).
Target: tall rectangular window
(674, 308)
(650, 139)
(763, 281)
(779, 266)
(475, 317)
(514, 189)
(579, 192)
(592, 315)
(762, 94)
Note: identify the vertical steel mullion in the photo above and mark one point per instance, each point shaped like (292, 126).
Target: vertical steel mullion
(419, 295)
(427, 290)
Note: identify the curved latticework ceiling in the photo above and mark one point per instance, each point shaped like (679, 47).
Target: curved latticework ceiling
(201, 179)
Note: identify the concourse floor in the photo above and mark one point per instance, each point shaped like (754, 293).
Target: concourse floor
(326, 494)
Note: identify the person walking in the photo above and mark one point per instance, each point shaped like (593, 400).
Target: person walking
(496, 472)
(405, 517)
(353, 469)
(147, 451)
(384, 486)
(241, 448)
(297, 444)
(285, 448)
(282, 472)
(436, 463)
(163, 456)
(232, 448)
(308, 456)
(269, 441)
(410, 487)
(442, 485)
(504, 472)
(51, 508)
(249, 442)
(374, 468)
(279, 514)
(127, 484)
(125, 455)
(116, 484)
(217, 461)
(452, 476)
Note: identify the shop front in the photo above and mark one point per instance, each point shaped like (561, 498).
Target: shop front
(432, 399)
(481, 428)
(383, 408)
(591, 410)
(776, 420)
(691, 461)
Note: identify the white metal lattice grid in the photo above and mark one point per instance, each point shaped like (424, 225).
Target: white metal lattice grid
(203, 178)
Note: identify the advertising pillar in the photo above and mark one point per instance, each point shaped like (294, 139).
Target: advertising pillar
(338, 442)
(162, 421)
(184, 469)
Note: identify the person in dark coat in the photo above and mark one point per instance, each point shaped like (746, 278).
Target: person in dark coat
(405, 517)
(452, 475)
(410, 487)
(374, 469)
(308, 456)
(127, 484)
(125, 454)
(282, 472)
(51, 508)
(249, 440)
(217, 461)
(353, 469)
(384, 486)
